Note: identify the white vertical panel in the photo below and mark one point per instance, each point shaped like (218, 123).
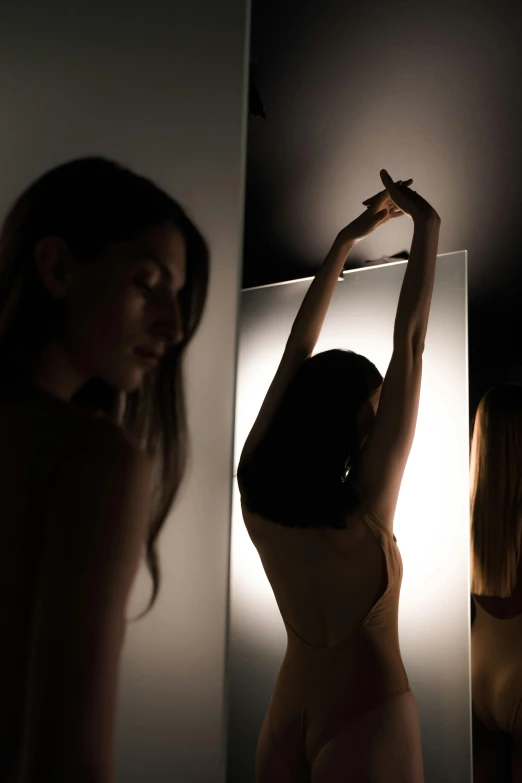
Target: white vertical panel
(161, 87)
(432, 518)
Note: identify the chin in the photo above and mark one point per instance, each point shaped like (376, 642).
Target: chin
(130, 387)
(132, 383)
(124, 382)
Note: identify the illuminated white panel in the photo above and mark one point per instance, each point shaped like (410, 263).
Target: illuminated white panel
(431, 522)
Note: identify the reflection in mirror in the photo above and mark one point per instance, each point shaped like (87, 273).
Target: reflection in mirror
(496, 585)
(328, 583)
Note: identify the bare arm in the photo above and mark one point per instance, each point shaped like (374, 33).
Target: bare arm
(95, 522)
(413, 309)
(302, 340)
(383, 458)
(312, 313)
(309, 321)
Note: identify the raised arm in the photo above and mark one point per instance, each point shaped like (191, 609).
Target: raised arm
(310, 318)
(383, 459)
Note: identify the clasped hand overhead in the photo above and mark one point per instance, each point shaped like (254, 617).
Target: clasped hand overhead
(397, 199)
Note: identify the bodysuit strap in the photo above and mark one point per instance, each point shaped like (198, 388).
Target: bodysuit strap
(375, 524)
(370, 517)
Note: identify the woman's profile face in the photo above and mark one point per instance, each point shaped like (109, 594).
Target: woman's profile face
(125, 303)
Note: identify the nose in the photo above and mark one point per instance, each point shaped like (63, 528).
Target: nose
(169, 321)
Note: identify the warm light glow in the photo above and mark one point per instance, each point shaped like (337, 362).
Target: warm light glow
(432, 518)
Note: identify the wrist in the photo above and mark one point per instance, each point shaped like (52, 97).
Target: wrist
(343, 244)
(429, 225)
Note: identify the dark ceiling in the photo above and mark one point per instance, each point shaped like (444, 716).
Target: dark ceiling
(426, 90)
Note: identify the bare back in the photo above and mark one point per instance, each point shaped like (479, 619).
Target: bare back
(319, 594)
(38, 432)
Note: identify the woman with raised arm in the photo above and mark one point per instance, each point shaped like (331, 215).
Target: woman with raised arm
(319, 477)
(496, 585)
(103, 280)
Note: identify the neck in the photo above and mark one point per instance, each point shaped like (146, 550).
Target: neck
(54, 373)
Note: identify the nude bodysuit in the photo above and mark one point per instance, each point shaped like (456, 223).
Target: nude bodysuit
(322, 689)
(496, 671)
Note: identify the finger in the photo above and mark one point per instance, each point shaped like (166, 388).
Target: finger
(382, 195)
(387, 180)
(377, 196)
(399, 183)
(390, 184)
(389, 203)
(385, 193)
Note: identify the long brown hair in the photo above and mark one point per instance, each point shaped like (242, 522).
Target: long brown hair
(496, 491)
(90, 203)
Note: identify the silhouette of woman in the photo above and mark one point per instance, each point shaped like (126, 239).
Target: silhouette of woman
(319, 476)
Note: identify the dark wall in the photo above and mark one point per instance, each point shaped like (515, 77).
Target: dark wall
(427, 90)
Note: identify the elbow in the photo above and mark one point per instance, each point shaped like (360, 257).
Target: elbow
(411, 344)
(417, 338)
(410, 335)
(417, 347)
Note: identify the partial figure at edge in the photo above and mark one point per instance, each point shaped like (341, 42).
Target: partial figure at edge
(496, 585)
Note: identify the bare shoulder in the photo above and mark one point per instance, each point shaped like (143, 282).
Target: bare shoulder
(102, 481)
(51, 428)
(98, 440)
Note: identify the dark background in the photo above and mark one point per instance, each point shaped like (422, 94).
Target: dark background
(427, 90)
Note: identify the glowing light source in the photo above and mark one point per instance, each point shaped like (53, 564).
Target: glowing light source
(432, 517)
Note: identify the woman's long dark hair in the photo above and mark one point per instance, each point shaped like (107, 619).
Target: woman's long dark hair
(296, 476)
(91, 203)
